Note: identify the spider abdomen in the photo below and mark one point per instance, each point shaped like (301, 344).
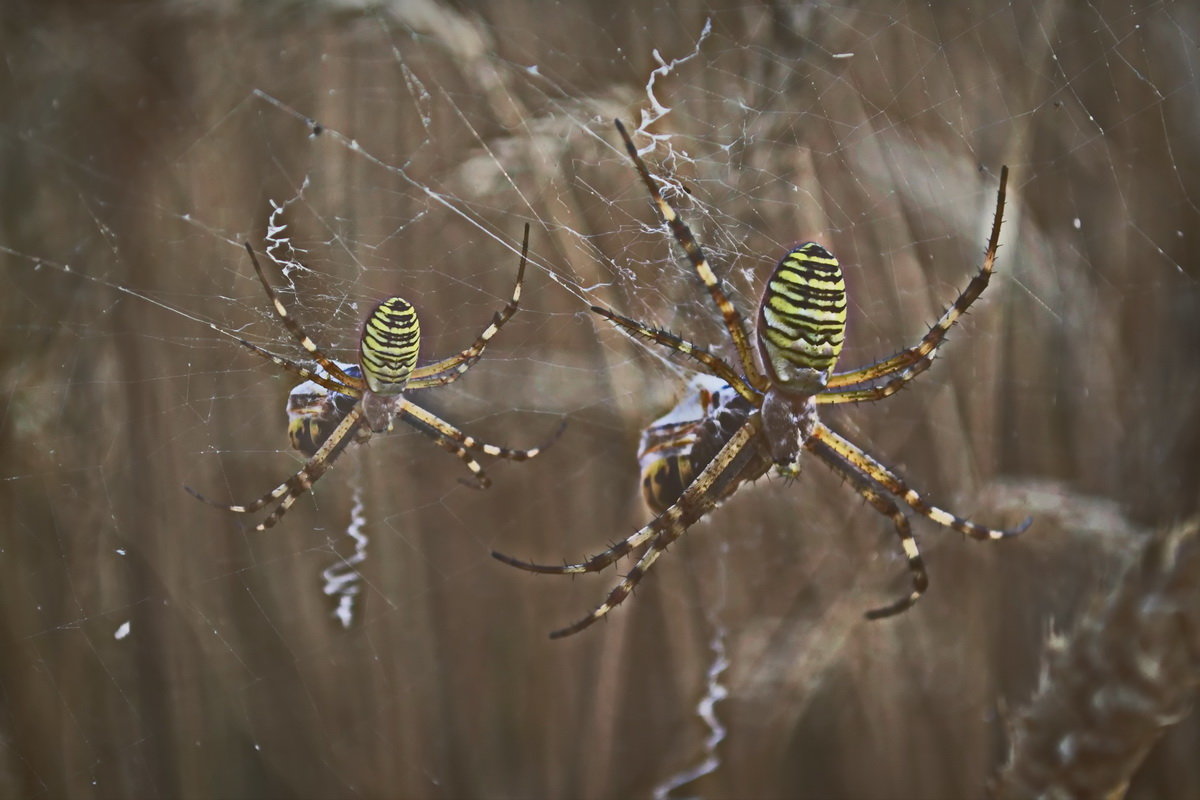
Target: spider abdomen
(390, 341)
(802, 319)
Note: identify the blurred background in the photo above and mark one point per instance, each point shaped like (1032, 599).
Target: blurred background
(157, 647)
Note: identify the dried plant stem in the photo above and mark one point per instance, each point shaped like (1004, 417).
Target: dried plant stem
(1109, 691)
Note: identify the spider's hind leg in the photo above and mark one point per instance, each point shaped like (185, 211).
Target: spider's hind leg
(895, 485)
(300, 483)
(884, 505)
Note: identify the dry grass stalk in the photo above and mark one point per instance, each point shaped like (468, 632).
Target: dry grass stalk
(1109, 691)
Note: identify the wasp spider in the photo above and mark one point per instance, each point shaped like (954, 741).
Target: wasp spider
(737, 421)
(339, 404)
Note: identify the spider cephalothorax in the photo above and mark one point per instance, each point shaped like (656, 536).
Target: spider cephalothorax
(738, 420)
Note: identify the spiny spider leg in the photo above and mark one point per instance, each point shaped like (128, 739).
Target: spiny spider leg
(299, 483)
(896, 382)
(894, 484)
(448, 370)
(927, 347)
(460, 444)
(699, 499)
(303, 338)
(695, 253)
(884, 505)
(715, 365)
(290, 366)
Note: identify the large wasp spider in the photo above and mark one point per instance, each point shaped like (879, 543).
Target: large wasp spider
(339, 403)
(737, 422)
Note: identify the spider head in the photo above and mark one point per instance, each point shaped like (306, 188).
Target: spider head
(388, 351)
(802, 320)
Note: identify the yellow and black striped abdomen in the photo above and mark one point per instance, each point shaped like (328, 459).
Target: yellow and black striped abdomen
(390, 340)
(802, 319)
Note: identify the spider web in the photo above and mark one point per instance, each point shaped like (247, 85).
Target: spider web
(368, 646)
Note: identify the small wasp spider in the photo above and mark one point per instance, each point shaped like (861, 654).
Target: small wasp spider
(340, 404)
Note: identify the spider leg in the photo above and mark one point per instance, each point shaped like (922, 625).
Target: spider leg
(460, 444)
(290, 366)
(928, 346)
(449, 369)
(695, 253)
(627, 545)
(701, 497)
(294, 328)
(443, 428)
(894, 484)
(621, 590)
(302, 481)
(479, 478)
(712, 363)
(594, 563)
(895, 383)
(884, 505)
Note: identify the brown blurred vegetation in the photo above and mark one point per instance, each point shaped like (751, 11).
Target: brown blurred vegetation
(1069, 393)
